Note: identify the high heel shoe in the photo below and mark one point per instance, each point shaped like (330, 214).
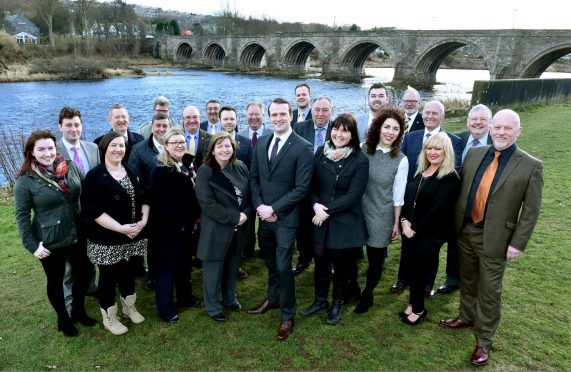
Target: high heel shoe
(406, 312)
(419, 320)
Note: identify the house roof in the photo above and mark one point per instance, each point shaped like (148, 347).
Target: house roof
(17, 23)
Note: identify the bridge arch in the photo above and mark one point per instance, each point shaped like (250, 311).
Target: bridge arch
(430, 60)
(540, 63)
(183, 52)
(252, 55)
(355, 56)
(297, 53)
(214, 53)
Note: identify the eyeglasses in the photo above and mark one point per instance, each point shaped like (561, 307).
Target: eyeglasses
(177, 143)
(410, 101)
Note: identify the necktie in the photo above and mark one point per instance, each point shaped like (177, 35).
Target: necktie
(475, 143)
(254, 139)
(213, 128)
(319, 138)
(483, 190)
(426, 136)
(77, 160)
(300, 116)
(406, 121)
(274, 150)
(191, 146)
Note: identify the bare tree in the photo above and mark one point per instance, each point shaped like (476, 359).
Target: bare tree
(46, 9)
(84, 10)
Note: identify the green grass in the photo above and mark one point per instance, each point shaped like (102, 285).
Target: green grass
(534, 332)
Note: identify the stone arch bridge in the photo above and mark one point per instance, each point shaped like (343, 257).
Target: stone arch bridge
(417, 54)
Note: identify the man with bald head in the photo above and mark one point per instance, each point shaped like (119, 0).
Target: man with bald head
(195, 137)
(495, 215)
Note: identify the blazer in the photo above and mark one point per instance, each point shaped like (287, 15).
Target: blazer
(204, 125)
(174, 212)
(202, 149)
(412, 146)
(246, 132)
(56, 215)
(284, 183)
(221, 210)
(89, 149)
(243, 153)
(143, 160)
(132, 139)
(362, 125)
(103, 194)
(308, 116)
(464, 138)
(340, 187)
(514, 205)
(417, 124)
(306, 129)
(429, 205)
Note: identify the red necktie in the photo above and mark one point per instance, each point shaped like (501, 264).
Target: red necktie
(254, 139)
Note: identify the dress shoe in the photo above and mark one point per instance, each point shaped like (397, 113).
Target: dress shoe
(319, 305)
(364, 304)
(455, 323)
(334, 315)
(299, 268)
(286, 329)
(220, 317)
(82, 318)
(264, 307)
(448, 288)
(65, 325)
(398, 287)
(419, 320)
(242, 274)
(429, 293)
(150, 284)
(193, 302)
(174, 319)
(236, 306)
(480, 356)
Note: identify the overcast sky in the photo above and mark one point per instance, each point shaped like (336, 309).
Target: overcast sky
(411, 14)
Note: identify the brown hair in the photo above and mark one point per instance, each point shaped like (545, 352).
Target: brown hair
(280, 101)
(106, 140)
(348, 122)
(303, 85)
(68, 113)
(219, 137)
(29, 148)
(374, 134)
(226, 108)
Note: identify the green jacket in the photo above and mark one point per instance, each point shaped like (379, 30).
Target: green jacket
(56, 215)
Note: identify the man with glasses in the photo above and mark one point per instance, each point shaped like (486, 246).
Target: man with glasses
(161, 105)
(212, 125)
(411, 104)
(195, 136)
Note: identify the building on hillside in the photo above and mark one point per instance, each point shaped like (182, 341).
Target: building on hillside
(21, 28)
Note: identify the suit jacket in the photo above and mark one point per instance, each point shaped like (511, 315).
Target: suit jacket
(308, 116)
(132, 139)
(143, 160)
(306, 129)
(202, 149)
(265, 132)
(512, 207)
(464, 138)
(243, 153)
(284, 183)
(205, 126)
(417, 124)
(145, 130)
(362, 125)
(89, 149)
(412, 146)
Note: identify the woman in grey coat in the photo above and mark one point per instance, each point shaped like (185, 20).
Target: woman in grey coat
(224, 196)
(384, 197)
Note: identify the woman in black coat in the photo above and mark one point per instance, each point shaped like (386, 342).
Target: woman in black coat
(175, 211)
(427, 217)
(340, 176)
(224, 195)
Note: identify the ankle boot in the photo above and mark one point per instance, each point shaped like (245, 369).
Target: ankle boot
(65, 325)
(129, 309)
(364, 304)
(319, 305)
(335, 313)
(111, 321)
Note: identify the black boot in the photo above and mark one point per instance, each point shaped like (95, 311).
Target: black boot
(364, 304)
(65, 325)
(335, 313)
(319, 305)
(80, 316)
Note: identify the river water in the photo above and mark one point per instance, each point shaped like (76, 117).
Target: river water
(34, 105)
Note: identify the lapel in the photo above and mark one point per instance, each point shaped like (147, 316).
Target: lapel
(470, 169)
(62, 150)
(512, 164)
(285, 148)
(264, 162)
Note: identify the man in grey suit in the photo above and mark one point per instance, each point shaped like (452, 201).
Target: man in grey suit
(86, 156)
(496, 212)
(377, 98)
(280, 179)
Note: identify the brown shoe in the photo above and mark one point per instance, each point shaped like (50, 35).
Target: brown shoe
(242, 274)
(455, 323)
(286, 329)
(480, 356)
(264, 307)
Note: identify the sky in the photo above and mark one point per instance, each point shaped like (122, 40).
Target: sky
(411, 14)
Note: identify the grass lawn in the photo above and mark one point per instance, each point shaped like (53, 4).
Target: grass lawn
(534, 332)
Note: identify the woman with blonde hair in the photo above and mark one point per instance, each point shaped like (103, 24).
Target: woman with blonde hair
(426, 217)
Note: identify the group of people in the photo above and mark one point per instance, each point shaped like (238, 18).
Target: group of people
(328, 186)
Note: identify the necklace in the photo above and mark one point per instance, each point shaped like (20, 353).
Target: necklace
(422, 179)
(117, 174)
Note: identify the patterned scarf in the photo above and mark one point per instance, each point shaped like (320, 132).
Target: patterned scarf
(336, 154)
(57, 175)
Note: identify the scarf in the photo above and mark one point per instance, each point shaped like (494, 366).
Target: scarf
(55, 176)
(336, 154)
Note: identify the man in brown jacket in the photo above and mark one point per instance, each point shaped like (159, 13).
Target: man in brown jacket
(495, 216)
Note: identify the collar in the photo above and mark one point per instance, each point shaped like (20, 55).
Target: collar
(483, 140)
(283, 137)
(157, 144)
(317, 128)
(383, 149)
(188, 133)
(69, 146)
(435, 130)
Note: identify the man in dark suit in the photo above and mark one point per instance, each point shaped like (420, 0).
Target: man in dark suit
(411, 104)
(496, 212)
(280, 179)
(314, 131)
(118, 117)
(255, 118)
(432, 115)
(212, 124)
(302, 100)
(478, 123)
(161, 105)
(195, 137)
(377, 98)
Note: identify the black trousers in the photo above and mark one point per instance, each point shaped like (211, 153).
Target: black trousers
(376, 259)
(304, 239)
(179, 279)
(405, 267)
(54, 267)
(343, 260)
(120, 274)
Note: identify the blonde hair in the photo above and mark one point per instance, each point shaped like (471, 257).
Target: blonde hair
(164, 159)
(442, 141)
